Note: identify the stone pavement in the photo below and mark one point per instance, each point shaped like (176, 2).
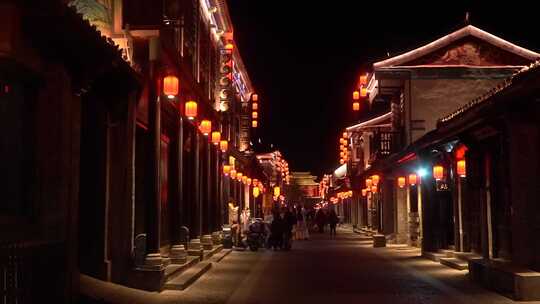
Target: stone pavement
(323, 270)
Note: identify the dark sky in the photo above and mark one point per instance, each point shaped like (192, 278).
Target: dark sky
(304, 59)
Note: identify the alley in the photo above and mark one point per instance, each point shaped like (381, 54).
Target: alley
(327, 271)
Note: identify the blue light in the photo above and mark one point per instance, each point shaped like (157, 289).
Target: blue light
(421, 172)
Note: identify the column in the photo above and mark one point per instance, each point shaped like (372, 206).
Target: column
(153, 257)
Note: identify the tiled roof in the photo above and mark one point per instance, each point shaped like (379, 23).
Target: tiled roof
(494, 91)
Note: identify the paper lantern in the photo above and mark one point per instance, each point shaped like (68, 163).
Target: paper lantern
(412, 179)
(375, 179)
(254, 97)
(369, 182)
(216, 137)
(191, 109)
(255, 182)
(233, 174)
(461, 168)
(226, 170)
(356, 95)
(223, 146)
(248, 181)
(438, 172)
(254, 115)
(254, 124)
(401, 181)
(239, 176)
(277, 191)
(364, 192)
(356, 106)
(256, 192)
(363, 80)
(363, 92)
(206, 127)
(374, 189)
(229, 46)
(244, 180)
(254, 106)
(171, 86)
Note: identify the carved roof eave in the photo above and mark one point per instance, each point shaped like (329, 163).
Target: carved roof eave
(452, 37)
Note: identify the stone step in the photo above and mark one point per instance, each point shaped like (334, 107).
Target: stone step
(466, 256)
(454, 263)
(190, 275)
(174, 269)
(216, 258)
(209, 253)
(434, 256)
(449, 253)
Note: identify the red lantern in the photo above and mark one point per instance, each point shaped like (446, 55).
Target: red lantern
(216, 137)
(356, 95)
(363, 80)
(226, 170)
(233, 174)
(461, 168)
(356, 106)
(254, 97)
(206, 127)
(363, 92)
(239, 176)
(364, 192)
(191, 109)
(254, 106)
(369, 182)
(171, 86)
(229, 46)
(254, 115)
(438, 172)
(223, 146)
(375, 179)
(401, 181)
(254, 124)
(412, 179)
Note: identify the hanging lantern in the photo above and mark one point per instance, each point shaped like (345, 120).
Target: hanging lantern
(461, 168)
(256, 192)
(226, 170)
(356, 106)
(412, 179)
(206, 127)
(255, 182)
(369, 182)
(375, 179)
(277, 191)
(438, 172)
(216, 137)
(363, 80)
(244, 180)
(374, 189)
(254, 97)
(191, 109)
(356, 95)
(233, 174)
(254, 115)
(254, 124)
(232, 160)
(401, 181)
(364, 192)
(363, 92)
(342, 154)
(248, 182)
(171, 86)
(254, 106)
(239, 176)
(223, 146)
(229, 46)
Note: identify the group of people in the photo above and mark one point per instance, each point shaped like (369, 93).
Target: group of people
(287, 224)
(325, 217)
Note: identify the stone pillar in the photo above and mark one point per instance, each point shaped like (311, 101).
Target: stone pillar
(153, 257)
(401, 215)
(197, 221)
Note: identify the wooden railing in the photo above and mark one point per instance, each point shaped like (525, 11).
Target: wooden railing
(32, 273)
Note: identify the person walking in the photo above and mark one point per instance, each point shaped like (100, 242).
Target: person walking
(320, 219)
(290, 222)
(333, 220)
(276, 231)
(301, 227)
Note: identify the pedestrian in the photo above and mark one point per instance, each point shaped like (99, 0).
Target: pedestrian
(290, 222)
(276, 231)
(320, 220)
(333, 220)
(301, 227)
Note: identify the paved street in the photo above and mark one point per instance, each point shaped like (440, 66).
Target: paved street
(326, 271)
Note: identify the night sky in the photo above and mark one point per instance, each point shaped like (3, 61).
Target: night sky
(304, 60)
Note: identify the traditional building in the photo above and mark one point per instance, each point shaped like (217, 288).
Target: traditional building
(416, 88)
(305, 188)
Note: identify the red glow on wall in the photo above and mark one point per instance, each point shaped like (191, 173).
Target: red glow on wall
(460, 152)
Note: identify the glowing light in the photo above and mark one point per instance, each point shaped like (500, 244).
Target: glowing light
(256, 192)
(254, 115)
(226, 170)
(356, 106)
(223, 146)
(233, 174)
(206, 127)
(254, 97)
(422, 172)
(438, 172)
(412, 179)
(401, 181)
(375, 179)
(461, 168)
(254, 106)
(356, 95)
(254, 124)
(363, 92)
(369, 182)
(277, 191)
(216, 137)
(364, 192)
(171, 86)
